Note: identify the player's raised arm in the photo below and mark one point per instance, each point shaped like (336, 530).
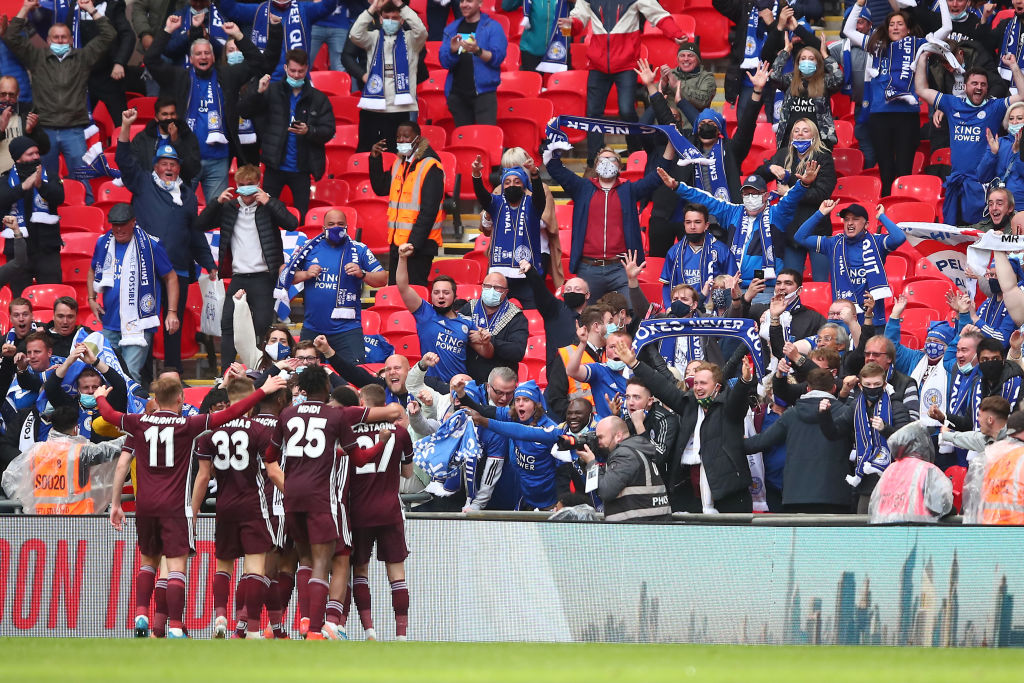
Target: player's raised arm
(124, 462)
(236, 410)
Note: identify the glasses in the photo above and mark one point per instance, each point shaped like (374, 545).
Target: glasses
(496, 288)
(9, 95)
(308, 360)
(874, 354)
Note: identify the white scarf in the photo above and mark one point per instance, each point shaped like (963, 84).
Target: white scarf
(174, 188)
(933, 390)
(133, 328)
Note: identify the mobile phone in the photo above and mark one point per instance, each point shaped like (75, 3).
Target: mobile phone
(759, 274)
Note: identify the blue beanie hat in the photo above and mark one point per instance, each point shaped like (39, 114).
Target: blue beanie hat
(518, 172)
(530, 390)
(941, 331)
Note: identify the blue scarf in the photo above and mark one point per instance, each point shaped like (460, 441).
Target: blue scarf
(516, 233)
(966, 393)
(709, 177)
(294, 28)
(557, 53)
(901, 71)
(347, 288)
(40, 210)
(874, 269)
(606, 127)
(743, 329)
(376, 348)
(672, 345)
(205, 99)
(708, 259)
(373, 93)
(138, 290)
(107, 355)
(965, 198)
(214, 23)
(742, 236)
(755, 37)
(442, 454)
(12, 337)
(872, 448)
(1012, 45)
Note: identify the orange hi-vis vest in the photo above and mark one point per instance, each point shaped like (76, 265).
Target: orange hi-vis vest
(900, 491)
(1002, 492)
(404, 200)
(576, 388)
(56, 479)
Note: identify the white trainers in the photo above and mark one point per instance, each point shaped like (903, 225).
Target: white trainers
(220, 627)
(400, 639)
(371, 634)
(334, 632)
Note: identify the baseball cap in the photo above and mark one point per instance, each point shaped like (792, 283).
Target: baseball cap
(756, 182)
(856, 210)
(166, 152)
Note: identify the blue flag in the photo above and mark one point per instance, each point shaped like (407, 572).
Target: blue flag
(443, 454)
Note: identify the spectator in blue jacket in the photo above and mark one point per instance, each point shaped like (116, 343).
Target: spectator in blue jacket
(332, 32)
(992, 319)
(10, 66)
(472, 49)
(296, 17)
(1003, 161)
(605, 222)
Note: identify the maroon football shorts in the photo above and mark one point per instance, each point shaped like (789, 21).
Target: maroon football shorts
(390, 542)
(236, 538)
(312, 527)
(169, 536)
(282, 541)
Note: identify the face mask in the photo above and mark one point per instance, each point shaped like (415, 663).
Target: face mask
(298, 399)
(688, 381)
(993, 285)
(707, 131)
(801, 146)
(196, 12)
(335, 234)
(959, 17)
(753, 202)
(706, 401)
(513, 194)
(991, 370)
(88, 401)
(607, 168)
(680, 309)
(26, 168)
(610, 329)
(295, 82)
(390, 26)
(791, 297)
(574, 299)
(615, 365)
(966, 367)
(277, 350)
(490, 297)
(873, 393)
(60, 49)
(442, 310)
(694, 237)
(404, 148)
(298, 370)
(236, 57)
(165, 124)
(720, 299)
(934, 350)
(247, 190)
(808, 66)
(1014, 128)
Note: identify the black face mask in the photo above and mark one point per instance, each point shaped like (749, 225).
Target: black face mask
(707, 131)
(165, 124)
(443, 310)
(694, 237)
(513, 194)
(574, 299)
(993, 285)
(26, 168)
(873, 393)
(680, 309)
(991, 370)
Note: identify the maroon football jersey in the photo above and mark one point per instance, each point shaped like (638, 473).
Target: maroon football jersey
(236, 451)
(373, 496)
(162, 446)
(307, 436)
(275, 499)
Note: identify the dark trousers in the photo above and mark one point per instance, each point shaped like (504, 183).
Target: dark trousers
(379, 125)
(172, 342)
(899, 134)
(599, 84)
(43, 268)
(259, 294)
(663, 234)
(481, 109)
(419, 264)
(437, 19)
(275, 180)
(735, 502)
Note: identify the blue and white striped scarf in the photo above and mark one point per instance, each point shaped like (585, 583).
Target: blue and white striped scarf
(872, 448)
(294, 28)
(346, 284)
(876, 280)
(373, 93)
(443, 454)
(556, 54)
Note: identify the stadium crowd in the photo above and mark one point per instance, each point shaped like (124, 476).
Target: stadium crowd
(797, 290)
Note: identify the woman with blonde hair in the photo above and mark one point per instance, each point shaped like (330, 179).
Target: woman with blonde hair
(803, 145)
(807, 89)
(1002, 163)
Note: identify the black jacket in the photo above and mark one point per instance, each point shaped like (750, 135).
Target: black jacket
(187, 147)
(559, 319)
(805, 323)
(721, 433)
(120, 51)
(42, 237)
(661, 428)
(270, 220)
(271, 113)
(818, 191)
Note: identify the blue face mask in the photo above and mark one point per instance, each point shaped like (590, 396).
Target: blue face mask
(934, 350)
(247, 190)
(801, 146)
(615, 365)
(490, 297)
(807, 66)
(88, 401)
(277, 351)
(959, 17)
(60, 49)
(390, 26)
(335, 234)
(1014, 128)
(236, 57)
(610, 329)
(298, 399)
(295, 82)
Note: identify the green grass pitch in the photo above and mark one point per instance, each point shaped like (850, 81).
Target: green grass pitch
(49, 659)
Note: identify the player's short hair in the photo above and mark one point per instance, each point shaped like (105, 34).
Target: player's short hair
(1000, 188)
(996, 405)
(821, 379)
(830, 356)
(40, 336)
(415, 127)
(697, 208)
(345, 396)
(621, 334)
(297, 55)
(304, 344)
(373, 396)
(18, 301)
(872, 370)
(636, 381)
(976, 71)
(716, 372)
(239, 388)
(842, 336)
(683, 287)
(247, 175)
(64, 418)
(589, 406)
(502, 373)
(313, 381)
(198, 42)
(212, 398)
(67, 301)
(89, 372)
(166, 391)
(444, 278)
(614, 301)
(163, 101)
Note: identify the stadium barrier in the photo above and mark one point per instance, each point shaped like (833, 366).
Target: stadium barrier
(482, 580)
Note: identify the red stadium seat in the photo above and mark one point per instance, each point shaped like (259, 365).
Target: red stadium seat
(526, 133)
(652, 269)
(489, 138)
(85, 317)
(432, 53)
(713, 30)
(537, 347)
(940, 157)
(89, 217)
(464, 158)
(189, 346)
(408, 346)
(43, 296)
(911, 212)
(848, 161)
(145, 106)
(519, 84)
(450, 166)
(315, 216)
(757, 156)
(371, 322)
(916, 321)
(331, 82)
(196, 395)
(373, 223)
(568, 92)
(74, 193)
(79, 244)
(345, 135)
(399, 321)
(537, 109)
(928, 291)
(511, 62)
(462, 271)
(386, 299)
(111, 194)
(842, 107)
(535, 321)
(844, 133)
(922, 188)
(817, 296)
(910, 340)
(437, 136)
(345, 107)
(328, 192)
(865, 189)
(635, 165)
(467, 291)
(75, 270)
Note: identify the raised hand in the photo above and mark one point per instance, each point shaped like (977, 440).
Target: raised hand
(747, 372)
(901, 303)
(274, 384)
(478, 166)
(625, 351)
(824, 405)
(810, 173)
(759, 77)
(632, 269)
(225, 197)
(1009, 59)
(993, 141)
(406, 250)
(264, 84)
(322, 345)
(231, 28)
(777, 305)
(645, 72)
(129, 116)
(670, 182)
(172, 24)
(1016, 341)
(879, 211)
(378, 148)
(430, 359)
(614, 403)
(827, 206)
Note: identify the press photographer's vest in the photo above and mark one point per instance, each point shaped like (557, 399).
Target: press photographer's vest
(57, 478)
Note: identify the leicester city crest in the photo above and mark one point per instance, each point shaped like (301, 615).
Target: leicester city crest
(375, 84)
(556, 51)
(213, 119)
(148, 304)
(931, 397)
(522, 253)
(722, 194)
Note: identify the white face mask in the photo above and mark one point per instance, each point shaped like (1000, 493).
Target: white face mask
(792, 295)
(753, 202)
(607, 168)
